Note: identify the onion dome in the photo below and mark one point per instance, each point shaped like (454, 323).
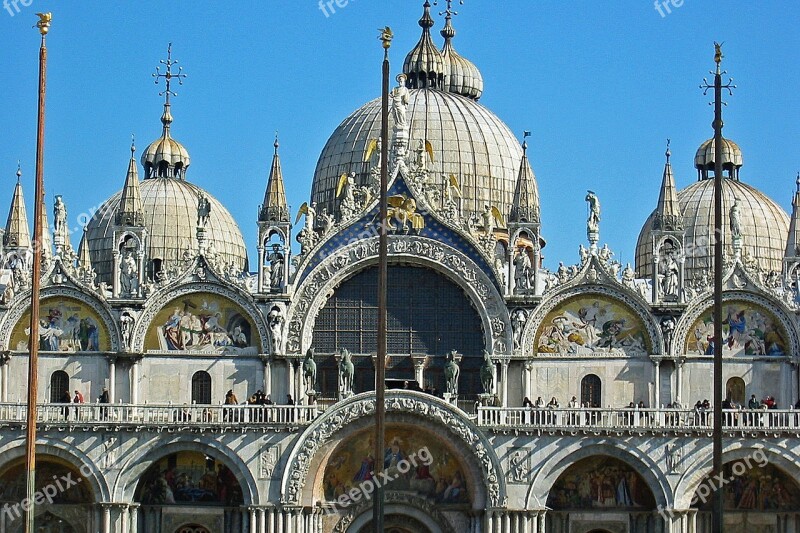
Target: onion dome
(732, 159)
(463, 78)
(424, 66)
(165, 157)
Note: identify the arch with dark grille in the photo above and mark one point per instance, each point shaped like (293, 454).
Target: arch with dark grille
(201, 388)
(427, 314)
(591, 388)
(59, 383)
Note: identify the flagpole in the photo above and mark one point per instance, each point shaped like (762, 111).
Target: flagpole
(380, 362)
(33, 342)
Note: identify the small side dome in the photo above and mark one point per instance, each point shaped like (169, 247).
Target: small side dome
(464, 78)
(732, 159)
(165, 157)
(425, 66)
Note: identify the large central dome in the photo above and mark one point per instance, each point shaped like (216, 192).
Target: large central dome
(468, 141)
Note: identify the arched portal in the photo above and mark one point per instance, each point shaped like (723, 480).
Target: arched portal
(398, 523)
(754, 494)
(601, 492)
(192, 528)
(69, 508)
(188, 492)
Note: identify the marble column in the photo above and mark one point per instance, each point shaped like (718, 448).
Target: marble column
(253, 512)
(527, 384)
(267, 375)
(656, 383)
(679, 380)
(112, 379)
(134, 518)
(504, 383)
(140, 280)
(115, 275)
(135, 382)
(419, 369)
(106, 510)
(261, 259)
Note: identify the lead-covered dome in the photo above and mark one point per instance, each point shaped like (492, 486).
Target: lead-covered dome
(764, 223)
(170, 217)
(166, 205)
(468, 140)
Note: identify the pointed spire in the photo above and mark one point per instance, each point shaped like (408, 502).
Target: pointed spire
(47, 240)
(526, 195)
(274, 208)
(17, 233)
(668, 212)
(424, 65)
(84, 259)
(129, 212)
(793, 242)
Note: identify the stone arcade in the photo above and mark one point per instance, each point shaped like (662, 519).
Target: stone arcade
(160, 312)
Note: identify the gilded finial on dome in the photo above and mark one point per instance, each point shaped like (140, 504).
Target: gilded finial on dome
(19, 171)
(133, 144)
(718, 55)
(525, 136)
(276, 144)
(668, 153)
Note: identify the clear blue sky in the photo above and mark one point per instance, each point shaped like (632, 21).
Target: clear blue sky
(600, 84)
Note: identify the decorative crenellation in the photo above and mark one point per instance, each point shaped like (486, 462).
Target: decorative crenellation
(341, 415)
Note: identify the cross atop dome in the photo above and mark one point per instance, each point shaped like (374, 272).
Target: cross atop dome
(168, 75)
(449, 11)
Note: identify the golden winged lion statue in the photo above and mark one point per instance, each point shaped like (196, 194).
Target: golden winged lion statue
(404, 210)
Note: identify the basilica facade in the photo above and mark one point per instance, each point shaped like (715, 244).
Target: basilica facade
(184, 389)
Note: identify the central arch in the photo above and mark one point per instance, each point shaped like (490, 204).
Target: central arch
(310, 456)
(314, 290)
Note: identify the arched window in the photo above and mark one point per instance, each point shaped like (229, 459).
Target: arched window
(201, 388)
(734, 390)
(59, 384)
(590, 391)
